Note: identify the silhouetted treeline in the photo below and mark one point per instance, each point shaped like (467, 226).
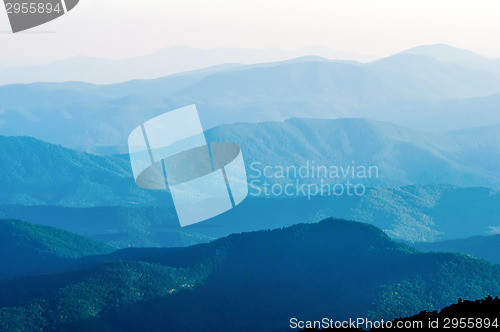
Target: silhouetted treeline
(484, 313)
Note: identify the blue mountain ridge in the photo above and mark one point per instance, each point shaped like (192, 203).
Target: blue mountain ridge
(96, 195)
(401, 89)
(334, 268)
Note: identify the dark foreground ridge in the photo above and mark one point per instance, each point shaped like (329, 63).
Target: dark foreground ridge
(479, 314)
(250, 282)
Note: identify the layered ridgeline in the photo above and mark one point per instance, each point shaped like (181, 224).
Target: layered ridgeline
(167, 61)
(399, 155)
(37, 173)
(484, 247)
(414, 213)
(96, 195)
(423, 89)
(27, 249)
(248, 282)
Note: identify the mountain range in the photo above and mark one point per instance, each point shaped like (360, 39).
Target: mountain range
(483, 247)
(96, 196)
(167, 61)
(248, 281)
(414, 214)
(456, 56)
(402, 155)
(37, 173)
(82, 247)
(420, 91)
(27, 249)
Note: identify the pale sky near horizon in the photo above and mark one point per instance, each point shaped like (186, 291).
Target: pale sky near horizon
(126, 28)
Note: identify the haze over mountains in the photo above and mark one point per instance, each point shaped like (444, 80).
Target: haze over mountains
(420, 91)
(96, 196)
(402, 156)
(432, 88)
(33, 169)
(168, 61)
(456, 56)
(178, 59)
(427, 119)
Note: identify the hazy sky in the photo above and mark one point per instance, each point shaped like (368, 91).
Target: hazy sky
(125, 28)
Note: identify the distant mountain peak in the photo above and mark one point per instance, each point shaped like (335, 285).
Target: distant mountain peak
(454, 55)
(164, 62)
(440, 48)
